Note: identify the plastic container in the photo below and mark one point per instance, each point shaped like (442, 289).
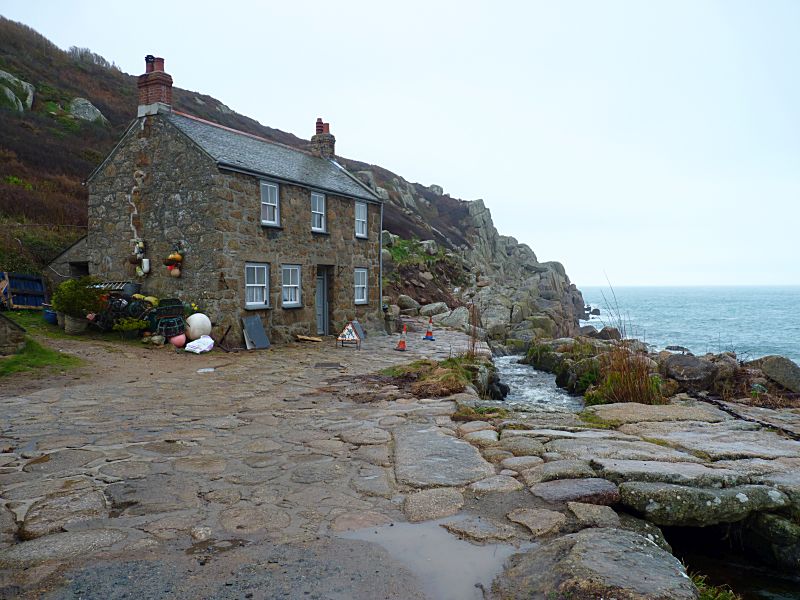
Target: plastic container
(50, 316)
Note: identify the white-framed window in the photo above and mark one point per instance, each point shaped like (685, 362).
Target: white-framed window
(290, 285)
(317, 211)
(360, 284)
(270, 205)
(361, 219)
(256, 285)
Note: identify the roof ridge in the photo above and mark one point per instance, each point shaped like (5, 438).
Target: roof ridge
(352, 176)
(244, 133)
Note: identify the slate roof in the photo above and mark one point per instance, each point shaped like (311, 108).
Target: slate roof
(239, 150)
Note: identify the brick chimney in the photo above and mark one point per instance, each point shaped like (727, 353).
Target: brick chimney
(155, 88)
(323, 143)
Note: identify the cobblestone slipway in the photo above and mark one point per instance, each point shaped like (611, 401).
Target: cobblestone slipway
(155, 480)
(289, 474)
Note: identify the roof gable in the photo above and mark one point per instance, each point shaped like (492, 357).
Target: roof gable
(238, 150)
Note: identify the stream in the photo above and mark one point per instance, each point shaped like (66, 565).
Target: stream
(536, 391)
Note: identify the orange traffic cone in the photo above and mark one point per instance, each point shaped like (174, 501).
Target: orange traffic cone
(401, 345)
(429, 332)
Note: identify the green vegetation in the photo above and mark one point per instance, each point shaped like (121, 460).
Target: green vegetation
(479, 413)
(14, 180)
(414, 369)
(592, 419)
(27, 248)
(130, 324)
(432, 379)
(535, 353)
(588, 379)
(77, 297)
(713, 592)
(625, 377)
(412, 252)
(35, 356)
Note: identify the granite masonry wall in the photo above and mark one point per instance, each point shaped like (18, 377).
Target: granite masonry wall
(159, 187)
(12, 336)
(68, 265)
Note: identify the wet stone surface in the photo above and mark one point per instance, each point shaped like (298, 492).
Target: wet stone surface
(174, 484)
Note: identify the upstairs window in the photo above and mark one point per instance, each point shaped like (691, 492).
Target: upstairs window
(317, 212)
(290, 275)
(361, 219)
(270, 207)
(256, 285)
(360, 284)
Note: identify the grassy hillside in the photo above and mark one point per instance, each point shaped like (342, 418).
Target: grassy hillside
(46, 154)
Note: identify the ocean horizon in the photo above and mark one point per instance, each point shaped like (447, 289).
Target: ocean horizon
(750, 320)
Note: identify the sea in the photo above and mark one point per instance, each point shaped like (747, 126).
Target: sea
(752, 321)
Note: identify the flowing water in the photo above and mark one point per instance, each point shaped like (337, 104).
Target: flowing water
(534, 390)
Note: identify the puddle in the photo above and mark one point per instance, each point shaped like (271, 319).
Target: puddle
(447, 568)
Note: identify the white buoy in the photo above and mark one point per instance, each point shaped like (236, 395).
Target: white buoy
(197, 325)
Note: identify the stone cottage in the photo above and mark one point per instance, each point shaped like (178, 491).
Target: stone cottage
(261, 228)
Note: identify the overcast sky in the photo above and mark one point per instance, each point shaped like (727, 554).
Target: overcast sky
(655, 143)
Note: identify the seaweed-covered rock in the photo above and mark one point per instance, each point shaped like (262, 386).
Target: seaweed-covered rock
(683, 506)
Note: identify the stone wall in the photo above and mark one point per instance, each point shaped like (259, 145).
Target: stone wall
(69, 264)
(246, 240)
(159, 187)
(12, 336)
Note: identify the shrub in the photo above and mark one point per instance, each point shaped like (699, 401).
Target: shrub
(713, 592)
(625, 377)
(130, 324)
(77, 297)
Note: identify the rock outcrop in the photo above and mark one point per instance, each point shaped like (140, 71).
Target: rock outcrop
(15, 93)
(82, 109)
(596, 563)
(517, 296)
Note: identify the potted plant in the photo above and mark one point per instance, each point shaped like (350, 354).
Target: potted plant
(130, 327)
(76, 298)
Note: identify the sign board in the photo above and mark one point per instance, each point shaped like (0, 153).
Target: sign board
(349, 336)
(359, 330)
(254, 334)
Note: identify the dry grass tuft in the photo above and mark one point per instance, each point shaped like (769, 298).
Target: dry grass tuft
(625, 377)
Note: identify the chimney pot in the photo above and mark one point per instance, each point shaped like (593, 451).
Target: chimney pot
(155, 87)
(323, 143)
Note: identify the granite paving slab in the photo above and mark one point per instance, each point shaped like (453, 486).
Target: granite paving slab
(692, 474)
(718, 441)
(590, 490)
(622, 449)
(425, 457)
(632, 412)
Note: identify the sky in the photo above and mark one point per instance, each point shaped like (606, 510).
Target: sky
(638, 143)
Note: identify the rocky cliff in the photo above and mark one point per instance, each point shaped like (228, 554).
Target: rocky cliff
(518, 298)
